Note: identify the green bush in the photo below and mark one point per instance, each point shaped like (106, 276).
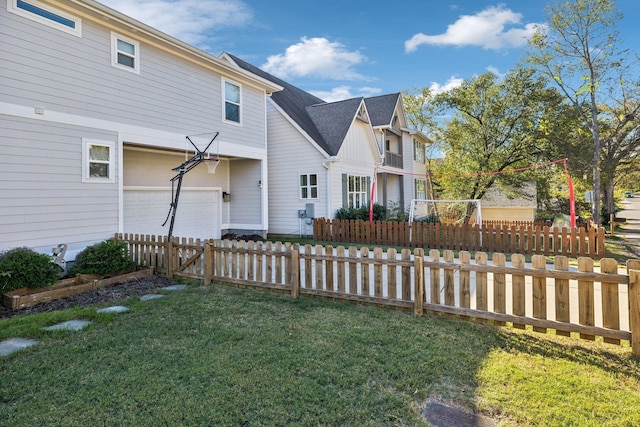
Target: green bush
(362, 213)
(105, 258)
(24, 268)
(431, 218)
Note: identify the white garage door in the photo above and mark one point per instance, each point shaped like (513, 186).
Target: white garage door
(198, 213)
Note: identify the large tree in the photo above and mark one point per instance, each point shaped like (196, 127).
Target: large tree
(578, 51)
(620, 134)
(497, 125)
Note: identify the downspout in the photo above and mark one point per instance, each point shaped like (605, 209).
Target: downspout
(327, 165)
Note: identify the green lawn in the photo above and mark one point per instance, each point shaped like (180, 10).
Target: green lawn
(214, 355)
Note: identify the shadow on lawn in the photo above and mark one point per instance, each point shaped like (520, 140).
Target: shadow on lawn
(578, 351)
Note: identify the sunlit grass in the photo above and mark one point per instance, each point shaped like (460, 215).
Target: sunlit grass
(224, 356)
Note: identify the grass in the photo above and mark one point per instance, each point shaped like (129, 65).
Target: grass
(216, 355)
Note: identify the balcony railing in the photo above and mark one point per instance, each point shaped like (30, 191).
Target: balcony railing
(393, 159)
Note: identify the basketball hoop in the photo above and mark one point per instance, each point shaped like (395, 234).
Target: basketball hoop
(212, 164)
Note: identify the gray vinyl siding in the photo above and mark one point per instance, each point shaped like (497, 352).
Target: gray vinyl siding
(43, 199)
(64, 73)
(289, 155)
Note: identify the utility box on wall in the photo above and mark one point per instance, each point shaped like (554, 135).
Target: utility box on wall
(310, 210)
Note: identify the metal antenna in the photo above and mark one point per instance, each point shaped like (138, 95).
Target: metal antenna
(185, 167)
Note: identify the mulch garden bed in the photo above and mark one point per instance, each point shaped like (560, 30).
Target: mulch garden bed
(108, 294)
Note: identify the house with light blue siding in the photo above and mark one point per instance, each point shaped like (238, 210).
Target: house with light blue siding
(95, 108)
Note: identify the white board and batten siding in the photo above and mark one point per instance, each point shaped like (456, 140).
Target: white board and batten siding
(357, 156)
(290, 154)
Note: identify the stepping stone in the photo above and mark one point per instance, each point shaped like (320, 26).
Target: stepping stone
(149, 297)
(14, 344)
(439, 415)
(173, 288)
(69, 325)
(113, 309)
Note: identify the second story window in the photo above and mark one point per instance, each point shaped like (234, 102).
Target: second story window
(418, 151)
(47, 15)
(232, 96)
(125, 53)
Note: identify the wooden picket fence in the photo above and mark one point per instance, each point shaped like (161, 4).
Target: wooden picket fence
(510, 238)
(557, 300)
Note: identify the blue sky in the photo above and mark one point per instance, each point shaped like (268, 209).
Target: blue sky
(347, 48)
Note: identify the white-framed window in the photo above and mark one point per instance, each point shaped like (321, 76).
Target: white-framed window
(357, 191)
(232, 111)
(125, 53)
(419, 150)
(98, 161)
(47, 15)
(309, 186)
(421, 189)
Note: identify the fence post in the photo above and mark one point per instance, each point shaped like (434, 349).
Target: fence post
(634, 310)
(418, 285)
(168, 253)
(295, 273)
(208, 263)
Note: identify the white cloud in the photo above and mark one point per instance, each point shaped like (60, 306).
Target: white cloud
(452, 83)
(187, 20)
(496, 71)
(316, 57)
(346, 92)
(487, 29)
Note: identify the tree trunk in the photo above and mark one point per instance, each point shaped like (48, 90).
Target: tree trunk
(609, 201)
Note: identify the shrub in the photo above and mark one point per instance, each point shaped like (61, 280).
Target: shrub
(362, 213)
(24, 268)
(105, 258)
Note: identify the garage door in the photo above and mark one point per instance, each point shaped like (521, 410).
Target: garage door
(198, 213)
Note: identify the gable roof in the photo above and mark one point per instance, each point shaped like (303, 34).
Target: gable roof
(333, 120)
(293, 100)
(327, 123)
(382, 108)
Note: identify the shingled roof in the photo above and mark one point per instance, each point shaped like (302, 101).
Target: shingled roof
(327, 123)
(381, 108)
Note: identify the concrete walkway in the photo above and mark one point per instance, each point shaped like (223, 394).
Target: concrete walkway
(631, 229)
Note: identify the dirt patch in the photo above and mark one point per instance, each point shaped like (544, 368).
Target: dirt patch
(108, 294)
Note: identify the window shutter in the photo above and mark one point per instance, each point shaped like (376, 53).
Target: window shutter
(369, 189)
(345, 191)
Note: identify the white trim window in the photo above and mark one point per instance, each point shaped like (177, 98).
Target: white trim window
(357, 191)
(125, 53)
(232, 108)
(47, 15)
(309, 186)
(98, 162)
(419, 151)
